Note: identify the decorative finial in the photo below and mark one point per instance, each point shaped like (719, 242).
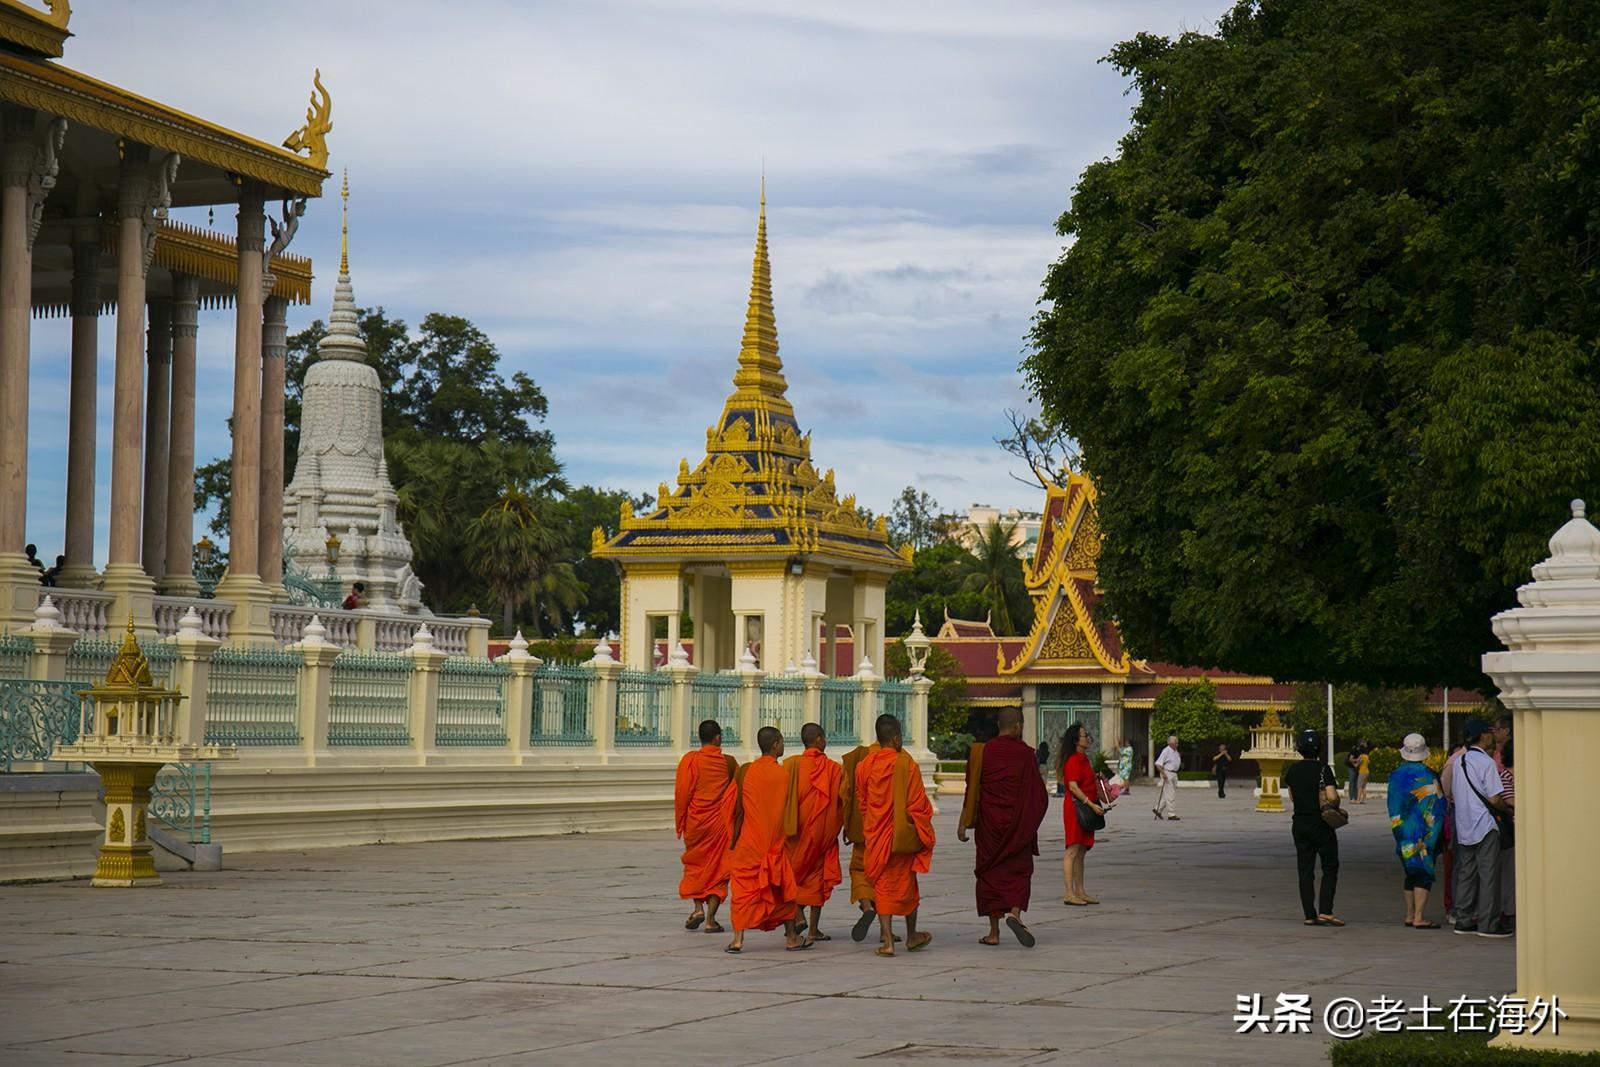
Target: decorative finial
(1577, 509)
(602, 652)
(760, 373)
(192, 626)
(47, 616)
(312, 138)
(422, 639)
(344, 224)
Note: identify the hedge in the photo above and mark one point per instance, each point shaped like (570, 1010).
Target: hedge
(1414, 1049)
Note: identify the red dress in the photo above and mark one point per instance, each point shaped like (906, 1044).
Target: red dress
(1077, 769)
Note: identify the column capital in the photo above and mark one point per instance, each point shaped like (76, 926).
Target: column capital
(145, 193)
(274, 329)
(19, 152)
(185, 305)
(252, 218)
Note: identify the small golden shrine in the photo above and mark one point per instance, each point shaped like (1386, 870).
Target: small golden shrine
(128, 731)
(1271, 746)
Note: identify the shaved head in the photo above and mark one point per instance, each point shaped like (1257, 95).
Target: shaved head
(1009, 722)
(770, 740)
(811, 736)
(888, 731)
(710, 732)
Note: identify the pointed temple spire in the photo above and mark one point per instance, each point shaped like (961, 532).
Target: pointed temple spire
(760, 374)
(343, 339)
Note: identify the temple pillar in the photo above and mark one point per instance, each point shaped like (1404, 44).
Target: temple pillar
(141, 201)
(274, 348)
(158, 412)
(79, 570)
(251, 621)
(177, 577)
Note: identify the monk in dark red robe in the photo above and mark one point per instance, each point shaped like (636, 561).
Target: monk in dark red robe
(897, 818)
(704, 779)
(762, 879)
(1007, 802)
(811, 823)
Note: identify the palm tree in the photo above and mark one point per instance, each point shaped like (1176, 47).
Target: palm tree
(516, 546)
(994, 571)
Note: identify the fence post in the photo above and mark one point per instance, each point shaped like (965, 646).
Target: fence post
(366, 633)
(750, 679)
(917, 712)
(316, 688)
(682, 673)
(478, 638)
(811, 678)
(191, 676)
(51, 642)
(867, 701)
(603, 699)
(423, 695)
(518, 713)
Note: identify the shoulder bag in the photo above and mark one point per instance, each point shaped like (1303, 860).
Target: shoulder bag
(1332, 814)
(1088, 818)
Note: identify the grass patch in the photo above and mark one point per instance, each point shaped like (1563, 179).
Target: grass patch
(1415, 1049)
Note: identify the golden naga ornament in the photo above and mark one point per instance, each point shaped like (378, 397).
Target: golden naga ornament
(312, 138)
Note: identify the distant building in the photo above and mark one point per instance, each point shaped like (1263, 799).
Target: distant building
(979, 516)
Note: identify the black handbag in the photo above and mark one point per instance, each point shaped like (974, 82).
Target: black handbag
(1332, 814)
(1088, 818)
(1503, 820)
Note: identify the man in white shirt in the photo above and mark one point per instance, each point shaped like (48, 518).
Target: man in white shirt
(1167, 766)
(1475, 790)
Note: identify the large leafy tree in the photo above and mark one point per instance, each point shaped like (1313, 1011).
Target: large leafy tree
(580, 511)
(1326, 331)
(1378, 715)
(1190, 710)
(916, 519)
(947, 700)
(935, 584)
(994, 572)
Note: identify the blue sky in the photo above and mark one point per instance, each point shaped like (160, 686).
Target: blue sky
(580, 180)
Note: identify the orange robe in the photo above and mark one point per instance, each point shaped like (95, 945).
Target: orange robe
(762, 879)
(705, 778)
(897, 818)
(860, 887)
(811, 823)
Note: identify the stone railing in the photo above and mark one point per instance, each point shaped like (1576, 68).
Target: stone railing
(83, 610)
(376, 631)
(213, 615)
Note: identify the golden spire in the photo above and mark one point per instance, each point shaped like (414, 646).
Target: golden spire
(760, 373)
(344, 225)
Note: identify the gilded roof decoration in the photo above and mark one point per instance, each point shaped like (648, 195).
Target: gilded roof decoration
(312, 138)
(39, 31)
(757, 489)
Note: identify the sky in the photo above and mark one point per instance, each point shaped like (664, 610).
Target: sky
(581, 180)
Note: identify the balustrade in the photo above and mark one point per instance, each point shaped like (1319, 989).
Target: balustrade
(644, 708)
(716, 696)
(213, 614)
(472, 696)
(370, 700)
(561, 706)
(253, 697)
(83, 610)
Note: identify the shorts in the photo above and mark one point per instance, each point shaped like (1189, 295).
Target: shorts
(1418, 880)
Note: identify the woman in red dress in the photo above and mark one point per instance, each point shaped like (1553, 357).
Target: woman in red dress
(1082, 785)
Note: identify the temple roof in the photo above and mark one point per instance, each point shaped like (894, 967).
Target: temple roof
(756, 492)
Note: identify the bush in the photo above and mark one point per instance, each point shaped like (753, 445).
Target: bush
(950, 745)
(1381, 762)
(1446, 1050)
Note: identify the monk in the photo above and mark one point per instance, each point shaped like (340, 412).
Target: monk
(811, 822)
(860, 887)
(705, 776)
(762, 878)
(1005, 803)
(897, 819)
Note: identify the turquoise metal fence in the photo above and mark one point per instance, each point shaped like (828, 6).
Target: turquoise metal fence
(34, 717)
(253, 697)
(16, 653)
(181, 801)
(716, 696)
(371, 699)
(472, 702)
(839, 718)
(783, 704)
(644, 708)
(894, 698)
(561, 706)
(89, 659)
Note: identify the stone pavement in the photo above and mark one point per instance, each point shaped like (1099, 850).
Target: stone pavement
(571, 950)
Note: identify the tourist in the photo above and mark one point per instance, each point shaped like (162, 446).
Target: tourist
(1312, 786)
(1219, 767)
(1477, 800)
(52, 577)
(1502, 735)
(1167, 766)
(1079, 775)
(1007, 801)
(1125, 766)
(1446, 775)
(357, 597)
(1417, 816)
(855, 832)
(897, 818)
(1508, 852)
(811, 825)
(704, 778)
(760, 875)
(32, 552)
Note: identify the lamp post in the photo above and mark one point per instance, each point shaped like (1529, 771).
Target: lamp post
(330, 584)
(204, 576)
(917, 647)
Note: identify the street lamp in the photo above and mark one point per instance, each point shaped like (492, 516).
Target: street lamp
(917, 647)
(204, 552)
(330, 583)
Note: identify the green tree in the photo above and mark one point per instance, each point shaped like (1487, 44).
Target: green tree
(936, 583)
(1378, 715)
(994, 572)
(916, 519)
(1326, 331)
(947, 700)
(581, 511)
(1189, 710)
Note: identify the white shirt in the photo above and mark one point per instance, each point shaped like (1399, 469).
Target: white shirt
(1473, 821)
(1169, 760)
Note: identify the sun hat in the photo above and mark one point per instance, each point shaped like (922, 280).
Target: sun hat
(1415, 748)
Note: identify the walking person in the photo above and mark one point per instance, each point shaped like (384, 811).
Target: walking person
(1167, 767)
(1312, 787)
(1219, 767)
(1125, 766)
(1478, 804)
(1005, 803)
(1417, 816)
(1363, 771)
(1081, 781)
(1446, 777)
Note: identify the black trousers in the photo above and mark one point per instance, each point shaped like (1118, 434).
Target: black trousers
(1222, 785)
(1314, 838)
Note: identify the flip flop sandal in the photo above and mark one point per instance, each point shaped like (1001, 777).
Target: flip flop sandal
(1315, 922)
(1330, 921)
(730, 950)
(801, 947)
(927, 939)
(986, 941)
(1424, 926)
(1023, 933)
(1075, 903)
(858, 932)
(694, 922)
(821, 937)
(716, 928)
(800, 926)
(887, 953)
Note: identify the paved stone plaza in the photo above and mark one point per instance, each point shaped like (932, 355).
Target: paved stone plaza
(571, 950)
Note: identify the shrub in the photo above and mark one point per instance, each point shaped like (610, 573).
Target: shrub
(1381, 762)
(952, 746)
(1447, 1050)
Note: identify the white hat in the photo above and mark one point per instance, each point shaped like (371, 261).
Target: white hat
(1415, 748)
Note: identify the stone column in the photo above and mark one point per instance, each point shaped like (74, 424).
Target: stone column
(316, 690)
(141, 200)
(158, 412)
(682, 673)
(242, 585)
(519, 701)
(177, 577)
(426, 663)
(79, 570)
(274, 348)
(1550, 678)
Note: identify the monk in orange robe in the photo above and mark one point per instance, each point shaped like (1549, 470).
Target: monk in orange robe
(762, 878)
(811, 823)
(705, 777)
(897, 818)
(850, 802)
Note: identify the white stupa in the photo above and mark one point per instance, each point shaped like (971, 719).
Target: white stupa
(341, 482)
